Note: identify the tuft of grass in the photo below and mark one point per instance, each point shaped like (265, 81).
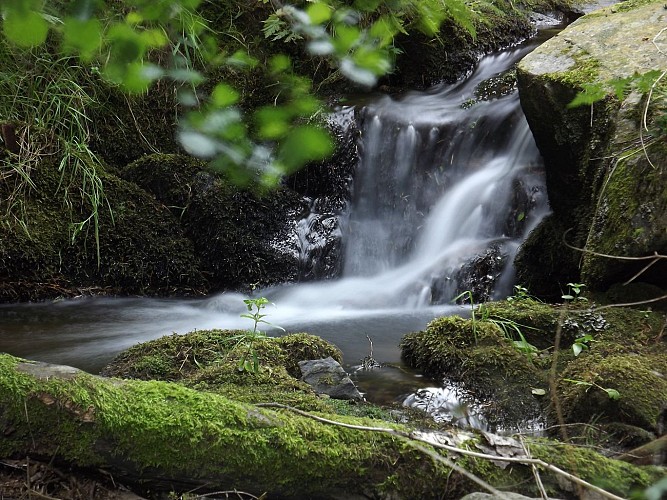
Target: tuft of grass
(45, 100)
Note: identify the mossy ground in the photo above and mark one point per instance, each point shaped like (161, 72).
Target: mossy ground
(627, 354)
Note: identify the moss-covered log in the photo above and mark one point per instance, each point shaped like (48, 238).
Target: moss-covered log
(167, 434)
(167, 437)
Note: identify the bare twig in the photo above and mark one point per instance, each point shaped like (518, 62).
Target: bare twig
(536, 473)
(629, 304)
(655, 255)
(414, 437)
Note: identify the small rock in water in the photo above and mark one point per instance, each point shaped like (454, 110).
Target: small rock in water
(326, 376)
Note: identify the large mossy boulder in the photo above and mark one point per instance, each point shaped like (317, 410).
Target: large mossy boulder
(73, 232)
(514, 347)
(605, 167)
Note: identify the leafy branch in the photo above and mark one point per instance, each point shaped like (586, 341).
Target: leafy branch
(141, 43)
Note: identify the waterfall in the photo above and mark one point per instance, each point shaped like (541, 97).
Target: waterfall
(448, 184)
(448, 179)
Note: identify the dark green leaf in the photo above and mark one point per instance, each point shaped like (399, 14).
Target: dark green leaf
(83, 37)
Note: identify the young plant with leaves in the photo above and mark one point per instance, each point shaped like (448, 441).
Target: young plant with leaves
(245, 342)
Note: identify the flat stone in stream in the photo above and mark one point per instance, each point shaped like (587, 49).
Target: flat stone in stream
(326, 376)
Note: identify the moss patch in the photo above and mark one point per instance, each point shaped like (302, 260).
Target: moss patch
(627, 354)
(207, 360)
(142, 249)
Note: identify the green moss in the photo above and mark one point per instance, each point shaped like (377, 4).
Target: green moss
(161, 429)
(615, 476)
(628, 5)
(165, 427)
(623, 356)
(302, 347)
(207, 360)
(586, 70)
(640, 380)
(628, 219)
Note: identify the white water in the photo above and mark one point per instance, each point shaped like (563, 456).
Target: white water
(434, 189)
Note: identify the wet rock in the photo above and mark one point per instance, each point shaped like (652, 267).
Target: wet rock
(240, 236)
(613, 198)
(326, 187)
(479, 356)
(326, 376)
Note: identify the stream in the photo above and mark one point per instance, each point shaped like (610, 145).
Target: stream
(449, 184)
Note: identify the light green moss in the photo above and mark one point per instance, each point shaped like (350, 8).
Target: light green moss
(618, 477)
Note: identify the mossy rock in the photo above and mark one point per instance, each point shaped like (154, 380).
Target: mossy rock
(481, 357)
(174, 357)
(142, 249)
(605, 185)
(543, 264)
(626, 352)
(208, 360)
(640, 380)
(241, 237)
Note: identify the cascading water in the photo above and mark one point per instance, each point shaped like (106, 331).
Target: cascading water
(448, 184)
(442, 179)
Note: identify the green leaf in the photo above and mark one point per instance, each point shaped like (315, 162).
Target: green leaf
(367, 5)
(613, 393)
(126, 45)
(154, 38)
(82, 37)
(384, 30)
(318, 13)
(590, 94)
(242, 59)
(279, 63)
(462, 15)
(346, 37)
(620, 86)
(26, 29)
(224, 95)
(273, 123)
(137, 78)
(304, 144)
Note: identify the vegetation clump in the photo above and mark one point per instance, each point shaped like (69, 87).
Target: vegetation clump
(608, 368)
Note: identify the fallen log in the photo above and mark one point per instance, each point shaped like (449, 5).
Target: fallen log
(175, 438)
(163, 436)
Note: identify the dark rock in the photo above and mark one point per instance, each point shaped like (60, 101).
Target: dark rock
(241, 237)
(326, 376)
(142, 249)
(327, 188)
